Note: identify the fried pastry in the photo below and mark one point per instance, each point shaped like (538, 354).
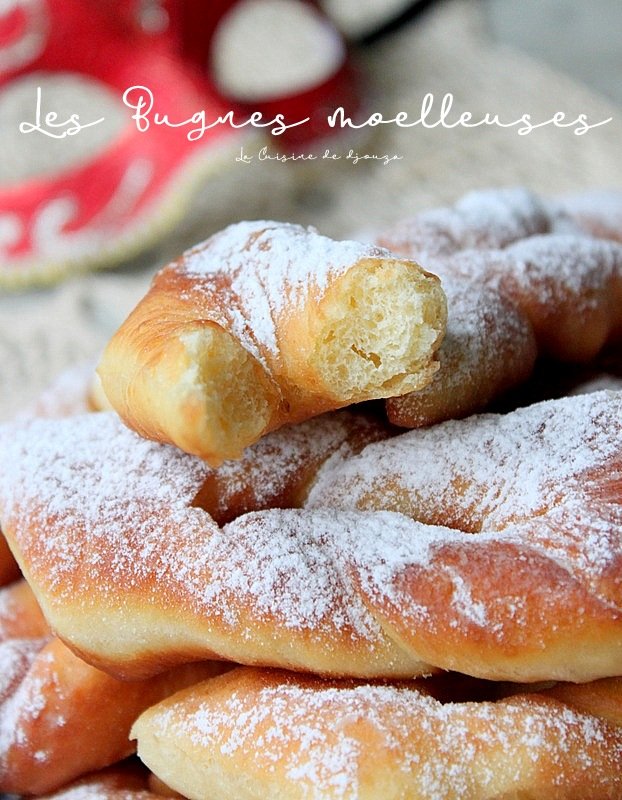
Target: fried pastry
(489, 348)
(254, 734)
(597, 212)
(122, 782)
(496, 557)
(266, 324)
(537, 257)
(73, 391)
(561, 292)
(61, 717)
(487, 219)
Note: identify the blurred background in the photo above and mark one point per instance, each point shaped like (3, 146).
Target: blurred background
(87, 215)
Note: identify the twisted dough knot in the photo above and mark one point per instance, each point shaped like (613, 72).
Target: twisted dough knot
(267, 324)
(489, 546)
(523, 279)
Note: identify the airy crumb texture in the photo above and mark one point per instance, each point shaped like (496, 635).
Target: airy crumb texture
(489, 347)
(225, 392)
(377, 329)
(267, 324)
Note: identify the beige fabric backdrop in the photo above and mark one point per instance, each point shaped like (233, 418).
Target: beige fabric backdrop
(447, 51)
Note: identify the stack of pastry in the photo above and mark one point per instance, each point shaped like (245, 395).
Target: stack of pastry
(331, 607)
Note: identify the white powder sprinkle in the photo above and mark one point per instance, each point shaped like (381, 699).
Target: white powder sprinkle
(481, 325)
(317, 736)
(267, 268)
(536, 484)
(483, 219)
(563, 271)
(20, 700)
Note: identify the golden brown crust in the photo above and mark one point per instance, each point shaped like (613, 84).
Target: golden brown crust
(302, 737)
(368, 580)
(20, 614)
(60, 702)
(562, 291)
(563, 300)
(9, 569)
(267, 324)
(489, 348)
(59, 716)
(148, 630)
(600, 698)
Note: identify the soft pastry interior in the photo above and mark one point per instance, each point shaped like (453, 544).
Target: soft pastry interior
(335, 557)
(267, 324)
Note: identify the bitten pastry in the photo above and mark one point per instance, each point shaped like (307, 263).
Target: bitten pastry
(266, 324)
(255, 734)
(536, 273)
(489, 348)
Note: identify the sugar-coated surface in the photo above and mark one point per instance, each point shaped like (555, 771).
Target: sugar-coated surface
(601, 208)
(557, 268)
(278, 461)
(543, 478)
(22, 701)
(483, 219)
(318, 738)
(271, 268)
(100, 512)
(497, 469)
(486, 342)
(67, 394)
(107, 496)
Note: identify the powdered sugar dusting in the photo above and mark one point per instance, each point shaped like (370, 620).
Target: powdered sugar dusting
(100, 511)
(319, 737)
(10, 613)
(561, 270)
(67, 394)
(274, 471)
(303, 580)
(538, 478)
(488, 347)
(109, 513)
(482, 219)
(600, 212)
(599, 383)
(20, 700)
(554, 266)
(492, 469)
(269, 268)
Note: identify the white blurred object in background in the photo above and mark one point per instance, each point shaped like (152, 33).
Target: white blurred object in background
(359, 18)
(25, 156)
(264, 49)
